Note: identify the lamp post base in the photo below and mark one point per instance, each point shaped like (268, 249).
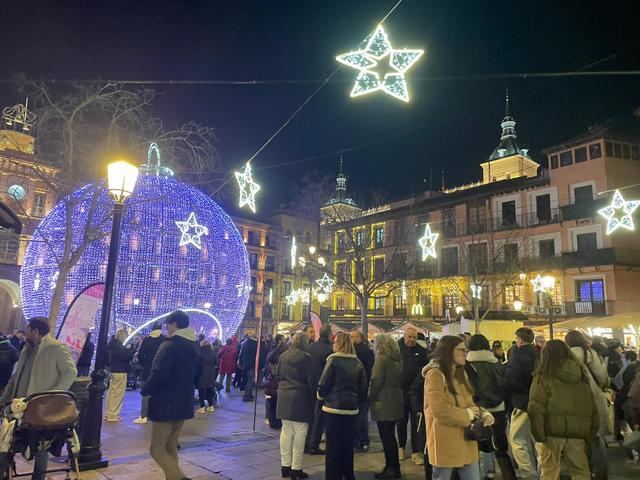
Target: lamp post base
(90, 456)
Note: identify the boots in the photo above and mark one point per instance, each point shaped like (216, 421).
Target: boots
(298, 474)
(286, 472)
(389, 472)
(505, 466)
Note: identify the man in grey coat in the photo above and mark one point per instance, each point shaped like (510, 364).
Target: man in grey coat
(45, 364)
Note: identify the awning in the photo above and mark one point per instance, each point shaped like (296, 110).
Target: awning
(9, 219)
(419, 325)
(621, 320)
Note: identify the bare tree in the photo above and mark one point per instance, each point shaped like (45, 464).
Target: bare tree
(79, 129)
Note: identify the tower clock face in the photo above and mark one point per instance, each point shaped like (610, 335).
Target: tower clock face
(17, 192)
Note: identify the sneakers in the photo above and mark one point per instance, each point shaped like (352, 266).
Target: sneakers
(417, 458)
(140, 420)
(389, 472)
(211, 409)
(113, 419)
(401, 454)
(202, 410)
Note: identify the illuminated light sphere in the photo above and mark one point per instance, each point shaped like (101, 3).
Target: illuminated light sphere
(428, 243)
(370, 63)
(159, 268)
(248, 188)
(619, 213)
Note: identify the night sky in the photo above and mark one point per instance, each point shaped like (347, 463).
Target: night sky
(449, 124)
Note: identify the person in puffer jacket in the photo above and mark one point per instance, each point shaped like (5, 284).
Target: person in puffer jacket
(486, 375)
(562, 412)
(342, 387)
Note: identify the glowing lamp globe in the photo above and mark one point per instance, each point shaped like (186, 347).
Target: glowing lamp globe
(178, 250)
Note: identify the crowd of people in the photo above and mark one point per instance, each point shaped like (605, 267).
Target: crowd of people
(461, 406)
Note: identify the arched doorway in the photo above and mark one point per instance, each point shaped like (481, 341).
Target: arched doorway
(11, 317)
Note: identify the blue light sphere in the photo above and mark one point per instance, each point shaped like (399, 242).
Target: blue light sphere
(178, 249)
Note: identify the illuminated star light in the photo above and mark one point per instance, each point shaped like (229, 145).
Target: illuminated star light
(326, 284)
(188, 238)
(366, 61)
(243, 289)
(538, 284)
(248, 188)
(614, 219)
(292, 298)
(428, 243)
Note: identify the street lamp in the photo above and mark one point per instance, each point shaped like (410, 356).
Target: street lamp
(517, 304)
(545, 285)
(121, 180)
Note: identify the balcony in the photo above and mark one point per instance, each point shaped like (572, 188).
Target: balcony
(582, 209)
(554, 215)
(588, 308)
(601, 256)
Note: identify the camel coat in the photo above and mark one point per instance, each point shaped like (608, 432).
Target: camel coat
(445, 421)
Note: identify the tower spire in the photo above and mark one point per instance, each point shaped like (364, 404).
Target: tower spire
(508, 124)
(341, 180)
(507, 109)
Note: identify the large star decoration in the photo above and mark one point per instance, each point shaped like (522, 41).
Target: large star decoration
(538, 284)
(428, 243)
(326, 284)
(370, 60)
(248, 188)
(619, 213)
(192, 238)
(292, 298)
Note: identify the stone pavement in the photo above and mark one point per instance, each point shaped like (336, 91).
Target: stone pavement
(221, 445)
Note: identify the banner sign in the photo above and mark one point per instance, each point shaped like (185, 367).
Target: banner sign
(80, 317)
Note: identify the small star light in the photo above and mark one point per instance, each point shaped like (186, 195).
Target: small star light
(248, 188)
(428, 243)
(243, 289)
(623, 219)
(538, 284)
(366, 61)
(292, 298)
(326, 284)
(192, 238)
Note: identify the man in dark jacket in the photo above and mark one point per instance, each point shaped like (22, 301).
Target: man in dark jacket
(171, 385)
(319, 352)
(8, 358)
(247, 361)
(86, 355)
(366, 357)
(146, 353)
(414, 357)
(518, 377)
(18, 340)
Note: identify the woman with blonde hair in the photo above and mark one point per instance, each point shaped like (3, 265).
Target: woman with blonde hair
(384, 391)
(119, 365)
(342, 387)
(294, 406)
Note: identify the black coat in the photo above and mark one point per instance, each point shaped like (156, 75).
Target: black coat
(366, 356)
(248, 352)
(519, 375)
(343, 384)
(413, 360)
(172, 381)
(295, 386)
(208, 363)
(486, 375)
(8, 358)
(17, 343)
(319, 351)
(84, 360)
(119, 357)
(147, 351)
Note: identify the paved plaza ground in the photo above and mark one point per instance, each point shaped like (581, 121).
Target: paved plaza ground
(222, 445)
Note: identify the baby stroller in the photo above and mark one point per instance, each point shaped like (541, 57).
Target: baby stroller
(46, 424)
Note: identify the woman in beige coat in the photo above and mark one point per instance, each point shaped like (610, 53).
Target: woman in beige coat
(448, 410)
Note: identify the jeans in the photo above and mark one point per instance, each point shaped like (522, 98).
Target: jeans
(144, 409)
(315, 432)
(522, 443)
(83, 371)
(410, 417)
(251, 384)
(421, 433)
(387, 431)
(270, 405)
(468, 472)
(205, 394)
(339, 458)
(164, 448)
(570, 452)
(227, 384)
(115, 395)
(40, 464)
(292, 438)
(362, 426)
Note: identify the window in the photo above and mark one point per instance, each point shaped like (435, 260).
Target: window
(340, 241)
(287, 265)
(400, 231)
(251, 310)
(583, 194)
(379, 236)
(340, 302)
(509, 213)
(399, 302)
(595, 151)
(635, 153)
(286, 288)
(253, 260)
(399, 265)
(39, 201)
(617, 150)
(270, 264)
(378, 269)
(553, 161)
(254, 284)
(450, 300)
(608, 148)
(341, 272)
(478, 257)
(590, 290)
(305, 311)
(477, 217)
(543, 208)
(251, 237)
(587, 242)
(449, 223)
(510, 253)
(626, 152)
(566, 158)
(267, 311)
(378, 303)
(449, 261)
(511, 292)
(547, 248)
(359, 240)
(360, 274)
(286, 311)
(581, 154)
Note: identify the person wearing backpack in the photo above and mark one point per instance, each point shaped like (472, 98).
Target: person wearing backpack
(486, 375)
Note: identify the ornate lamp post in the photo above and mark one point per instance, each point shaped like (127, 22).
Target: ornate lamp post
(121, 180)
